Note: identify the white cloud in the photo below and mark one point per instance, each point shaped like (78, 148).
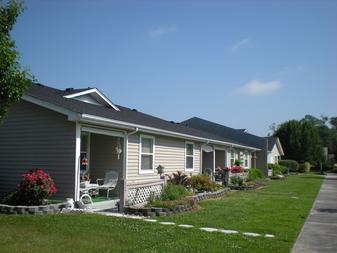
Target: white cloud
(290, 70)
(258, 88)
(155, 32)
(242, 43)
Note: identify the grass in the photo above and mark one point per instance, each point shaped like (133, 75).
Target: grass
(280, 208)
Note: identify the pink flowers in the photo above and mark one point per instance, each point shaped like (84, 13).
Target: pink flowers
(236, 169)
(36, 186)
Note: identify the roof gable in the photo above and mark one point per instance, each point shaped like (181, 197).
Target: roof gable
(91, 96)
(274, 141)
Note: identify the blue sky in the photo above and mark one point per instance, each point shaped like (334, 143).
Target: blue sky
(244, 64)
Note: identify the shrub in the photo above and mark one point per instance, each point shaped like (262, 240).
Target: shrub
(237, 169)
(203, 183)
(277, 169)
(304, 167)
(334, 170)
(254, 174)
(35, 186)
(237, 180)
(173, 192)
(179, 178)
(292, 165)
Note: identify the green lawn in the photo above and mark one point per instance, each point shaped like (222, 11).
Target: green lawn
(280, 208)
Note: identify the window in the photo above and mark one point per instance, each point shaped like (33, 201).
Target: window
(189, 156)
(146, 154)
(245, 159)
(232, 157)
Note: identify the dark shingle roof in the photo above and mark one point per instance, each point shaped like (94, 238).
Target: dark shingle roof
(55, 97)
(235, 134)
(271, 142)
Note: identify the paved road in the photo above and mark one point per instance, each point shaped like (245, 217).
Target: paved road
(319, 232)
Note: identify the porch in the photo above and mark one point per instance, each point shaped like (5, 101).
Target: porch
(101, 167)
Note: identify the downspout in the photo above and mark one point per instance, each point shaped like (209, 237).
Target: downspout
(213, 172)
(124, 195)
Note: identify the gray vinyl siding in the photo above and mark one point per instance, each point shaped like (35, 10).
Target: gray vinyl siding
(35, 137)
(169, 152)
(103, 157)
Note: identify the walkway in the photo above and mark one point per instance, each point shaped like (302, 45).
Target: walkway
(319, 232)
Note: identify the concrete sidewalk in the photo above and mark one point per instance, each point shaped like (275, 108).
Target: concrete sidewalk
(319, 232)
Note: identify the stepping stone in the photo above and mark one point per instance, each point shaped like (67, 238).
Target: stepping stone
(252, 234)
(185, 226)
(134, 217)
(209, 229)
(228, 231)
(150, 220)
(294, 197)
(167, 223)
(269, 236)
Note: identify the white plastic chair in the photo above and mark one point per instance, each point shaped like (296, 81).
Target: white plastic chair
(109, 183)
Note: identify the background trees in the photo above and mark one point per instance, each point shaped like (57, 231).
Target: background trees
(13, 79)
(303, 140)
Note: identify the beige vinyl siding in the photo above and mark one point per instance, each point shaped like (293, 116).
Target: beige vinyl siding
(34, 137)
(169, 152)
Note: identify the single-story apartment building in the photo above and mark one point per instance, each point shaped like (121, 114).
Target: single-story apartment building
(73, 131)
(269, 149)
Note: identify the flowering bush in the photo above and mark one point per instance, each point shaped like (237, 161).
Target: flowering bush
(35, 186)
(237, 169)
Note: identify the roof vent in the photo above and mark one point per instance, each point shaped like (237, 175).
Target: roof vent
(69, 89)
(134, 110)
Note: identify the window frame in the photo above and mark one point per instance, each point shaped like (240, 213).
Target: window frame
(232, 158)
(193, 156)
(141, 137)
(246, 159)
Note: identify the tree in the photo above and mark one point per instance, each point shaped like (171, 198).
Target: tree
(300, 140)
(13, 79)
(333, 122)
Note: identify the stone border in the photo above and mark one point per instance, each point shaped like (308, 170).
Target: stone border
(46, 209)
(157, 211)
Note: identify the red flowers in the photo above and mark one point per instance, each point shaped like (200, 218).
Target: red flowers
(36, 186)
(236, 169)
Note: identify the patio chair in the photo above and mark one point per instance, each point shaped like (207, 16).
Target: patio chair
(109, 182)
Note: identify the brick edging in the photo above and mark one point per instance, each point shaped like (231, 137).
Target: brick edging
(45, 209)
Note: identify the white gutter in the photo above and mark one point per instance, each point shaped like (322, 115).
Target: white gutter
(96, 119)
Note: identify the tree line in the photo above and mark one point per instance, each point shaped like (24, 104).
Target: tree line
(306, 139)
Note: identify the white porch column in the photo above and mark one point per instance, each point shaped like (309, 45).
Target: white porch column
(77, 162)
(201, 152)
(213, 176)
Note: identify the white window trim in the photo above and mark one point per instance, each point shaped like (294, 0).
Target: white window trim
(189, 169)
(140, 171)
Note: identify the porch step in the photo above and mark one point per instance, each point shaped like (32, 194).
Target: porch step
(105, 205)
